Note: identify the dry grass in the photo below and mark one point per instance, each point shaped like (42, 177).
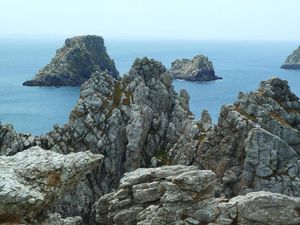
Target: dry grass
(9, 219)
(279, 119)
(54, 179)
(249, 117)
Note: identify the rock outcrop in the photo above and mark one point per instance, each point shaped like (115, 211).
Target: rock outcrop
(133, 122)
(197, 69)
(185, 195)
(12, 142)
(293, 60)
(256, 144)
(33, 179)
(75, 62)
(140, 121)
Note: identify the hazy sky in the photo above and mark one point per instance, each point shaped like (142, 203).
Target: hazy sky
(171, 19)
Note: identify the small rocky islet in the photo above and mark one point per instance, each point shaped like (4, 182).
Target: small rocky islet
(133, 153)
(293, 60)
(75, 62)
(200, 68)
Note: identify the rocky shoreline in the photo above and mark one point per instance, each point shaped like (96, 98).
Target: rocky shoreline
(133, 153)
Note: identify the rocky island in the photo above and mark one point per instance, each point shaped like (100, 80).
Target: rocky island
(161, 166)
(75, 62)
(197, 69)
(293, 60)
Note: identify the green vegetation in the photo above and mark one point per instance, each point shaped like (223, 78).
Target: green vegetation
(162, 155)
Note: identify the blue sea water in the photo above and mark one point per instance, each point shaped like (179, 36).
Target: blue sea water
(36, 109)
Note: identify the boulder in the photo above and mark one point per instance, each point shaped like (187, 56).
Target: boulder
(32, 180)
(75, 62)
(167, 193)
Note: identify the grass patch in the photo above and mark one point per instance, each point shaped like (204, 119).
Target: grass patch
(279, 119)
(292, 111)
(249, 117)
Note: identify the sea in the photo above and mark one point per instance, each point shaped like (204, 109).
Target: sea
(242, 64)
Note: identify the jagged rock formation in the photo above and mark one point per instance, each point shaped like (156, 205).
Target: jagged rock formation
(133, 122)
(293, 60)
(256, 144)
(197, 69)
(33, 179)
(12, 142)
(185, 195)
(140, 121)
(184, 150)
(75, 62)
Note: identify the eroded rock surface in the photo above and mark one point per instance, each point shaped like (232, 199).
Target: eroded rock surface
(197, 69)
(293, 60)
(12, 142)
(33, 179)
(155, 196)
(75, 62)
(255, 145)
(133, 122)
(185, 195)
(56, 219)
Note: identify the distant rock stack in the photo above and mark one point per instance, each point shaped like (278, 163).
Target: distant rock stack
(75, 62)
(293, 60)
(197, 69)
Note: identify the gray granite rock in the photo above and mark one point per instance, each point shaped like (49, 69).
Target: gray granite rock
(132, 121)
(33, 179)
(56, 219)
(197, 69)
(185, 195)
(256, 144)
(75, 62)
(12, 142)
(293, 60)
(169, 192)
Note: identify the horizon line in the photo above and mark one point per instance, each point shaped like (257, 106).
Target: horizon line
(137, 38)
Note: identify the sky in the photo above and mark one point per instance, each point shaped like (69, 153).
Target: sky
(153, 19)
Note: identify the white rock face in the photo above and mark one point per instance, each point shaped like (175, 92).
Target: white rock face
(35, 178)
